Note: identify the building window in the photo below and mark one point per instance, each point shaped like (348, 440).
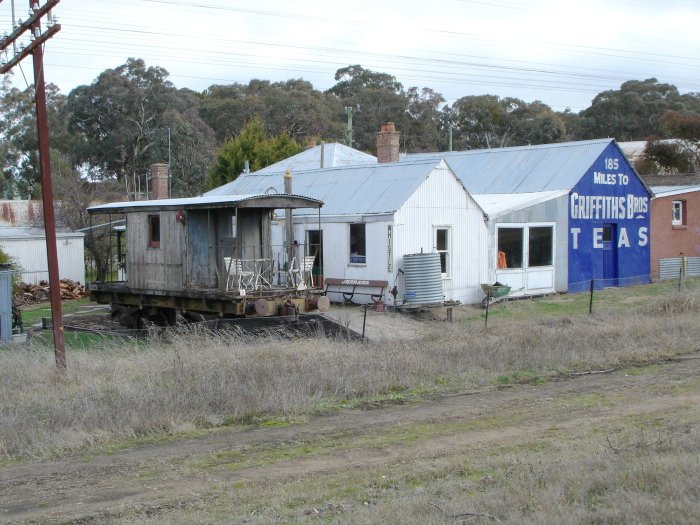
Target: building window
(540, 246)
(678, 213)
(358, 250)
(525, 247)
(442, 246)
(510, 247)
(154, 231)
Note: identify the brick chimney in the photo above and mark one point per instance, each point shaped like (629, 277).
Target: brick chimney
(159, 181)
(388, 143)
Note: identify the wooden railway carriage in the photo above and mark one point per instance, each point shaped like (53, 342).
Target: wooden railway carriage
(205, 257)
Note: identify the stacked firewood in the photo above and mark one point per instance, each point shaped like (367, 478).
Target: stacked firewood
(38, 293)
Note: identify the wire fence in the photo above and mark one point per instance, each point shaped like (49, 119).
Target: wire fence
(591, 291)
(593, 287)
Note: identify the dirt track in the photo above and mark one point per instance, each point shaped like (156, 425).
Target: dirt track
(154, 480)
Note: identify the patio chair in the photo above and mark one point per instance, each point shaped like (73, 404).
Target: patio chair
(303, 270)
(235, 270)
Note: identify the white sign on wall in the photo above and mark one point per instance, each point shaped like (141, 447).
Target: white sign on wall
(389, 248)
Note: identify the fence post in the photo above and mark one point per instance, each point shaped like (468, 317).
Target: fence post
(590, 303)
(680, 277)
(5, 303)
(488, 304)
(364, 322)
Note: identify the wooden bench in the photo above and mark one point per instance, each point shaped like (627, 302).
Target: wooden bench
(364, 287)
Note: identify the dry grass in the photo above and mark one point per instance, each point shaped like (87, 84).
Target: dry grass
(676, 303)
(566, 479)
(576, 481)
(197, 379)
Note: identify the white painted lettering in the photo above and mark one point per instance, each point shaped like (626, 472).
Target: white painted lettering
(573, 206)
(643, 239)
(623, 239)
(597, 237)
(612, 163)
(574, 237)
(604, 178)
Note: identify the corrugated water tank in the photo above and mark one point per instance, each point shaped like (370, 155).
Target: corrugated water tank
(423, 279)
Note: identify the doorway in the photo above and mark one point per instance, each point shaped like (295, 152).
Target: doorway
(610, 254)
(314, 246)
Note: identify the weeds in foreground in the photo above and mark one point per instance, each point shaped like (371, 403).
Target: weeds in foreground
(196, 379)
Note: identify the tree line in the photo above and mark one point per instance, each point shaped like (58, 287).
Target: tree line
(104, 136)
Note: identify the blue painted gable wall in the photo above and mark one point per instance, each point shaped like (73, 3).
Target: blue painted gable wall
(610, 193)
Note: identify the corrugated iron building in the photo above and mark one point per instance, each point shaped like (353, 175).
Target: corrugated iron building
(374, 214)
(598, 213)
(28, 247)
(539, 218)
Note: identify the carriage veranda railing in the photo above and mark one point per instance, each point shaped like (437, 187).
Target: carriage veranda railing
(233, 268)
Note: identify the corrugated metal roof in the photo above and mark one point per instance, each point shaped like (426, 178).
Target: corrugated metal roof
(497, 204)
(359, 190)
(334, 155)
(668, 191)
(523, 169)
(197, 202)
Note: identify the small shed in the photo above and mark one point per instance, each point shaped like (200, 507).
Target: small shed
(174, 245)
(28, 247)
(675, 224)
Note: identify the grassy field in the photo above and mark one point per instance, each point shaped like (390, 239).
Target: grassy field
(32, 314)
(187, 379)
(547, 415)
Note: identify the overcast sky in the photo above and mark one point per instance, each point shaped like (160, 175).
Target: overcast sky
(562, 52)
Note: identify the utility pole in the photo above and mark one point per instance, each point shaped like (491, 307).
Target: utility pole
(449, 146)
(348, 131)
(170, 169)
(37, 39)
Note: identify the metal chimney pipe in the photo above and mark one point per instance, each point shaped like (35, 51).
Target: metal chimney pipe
(289, 226)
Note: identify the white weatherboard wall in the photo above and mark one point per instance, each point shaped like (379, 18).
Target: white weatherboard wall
(441, 201)
(30, 253)
(336, 250)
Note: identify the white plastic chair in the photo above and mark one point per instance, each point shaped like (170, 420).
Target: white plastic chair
(234, 268)
(304, 272)
(308, 266)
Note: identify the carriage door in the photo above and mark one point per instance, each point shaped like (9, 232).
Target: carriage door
(314, 246)
(610, 254)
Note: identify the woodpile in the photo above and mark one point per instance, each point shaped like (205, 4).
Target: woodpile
(39, 293)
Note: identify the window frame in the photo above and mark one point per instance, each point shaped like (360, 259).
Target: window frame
(551, 245)
(358, 258)
(152, 241)
(447, 251)
(680, 205)
(525, 227)
(523, 248)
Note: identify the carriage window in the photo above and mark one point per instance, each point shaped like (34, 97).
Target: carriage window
(358, 253)
(510, 248)
(154, 231)
(540, 246)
